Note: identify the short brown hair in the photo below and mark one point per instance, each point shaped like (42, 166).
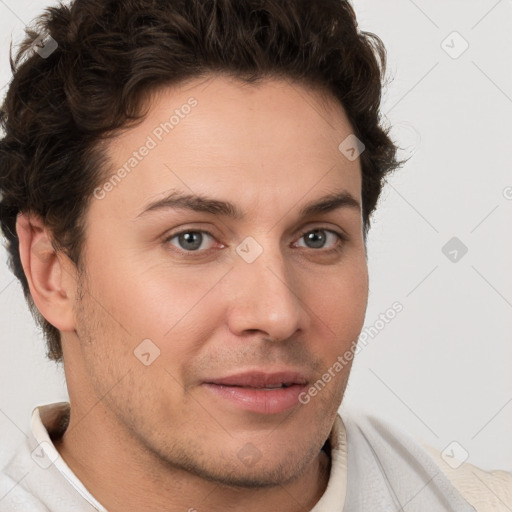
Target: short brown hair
(111, 53)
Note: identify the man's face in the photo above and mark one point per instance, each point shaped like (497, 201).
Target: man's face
(232, 305)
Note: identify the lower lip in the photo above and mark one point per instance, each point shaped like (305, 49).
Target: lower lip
(271, 401)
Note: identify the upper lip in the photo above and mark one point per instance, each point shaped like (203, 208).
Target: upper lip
(260, 379)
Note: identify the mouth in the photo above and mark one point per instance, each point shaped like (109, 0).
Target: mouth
(262, 380)
(277, 386)
(260, 392)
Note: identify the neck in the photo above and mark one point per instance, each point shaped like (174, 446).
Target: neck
(99, 454)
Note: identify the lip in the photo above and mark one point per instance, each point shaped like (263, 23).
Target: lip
(260, 379)
(247, 390)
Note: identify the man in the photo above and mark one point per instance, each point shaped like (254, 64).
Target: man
(187, 189)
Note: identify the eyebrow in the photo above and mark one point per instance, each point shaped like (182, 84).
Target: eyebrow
(201, 203)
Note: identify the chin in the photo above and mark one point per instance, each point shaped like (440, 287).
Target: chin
(264, 476)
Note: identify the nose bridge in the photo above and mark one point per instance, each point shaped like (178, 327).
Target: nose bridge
(266, 297)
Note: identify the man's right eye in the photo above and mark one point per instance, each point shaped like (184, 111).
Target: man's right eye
(190, 240)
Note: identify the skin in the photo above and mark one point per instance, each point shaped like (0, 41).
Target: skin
(165, 442)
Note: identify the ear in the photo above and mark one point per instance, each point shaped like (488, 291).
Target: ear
(52, 281)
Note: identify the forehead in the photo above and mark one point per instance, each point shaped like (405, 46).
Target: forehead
(220, 134)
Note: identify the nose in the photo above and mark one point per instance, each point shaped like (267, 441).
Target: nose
(265, 296)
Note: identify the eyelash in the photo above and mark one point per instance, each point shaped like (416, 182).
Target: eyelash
(342, 238)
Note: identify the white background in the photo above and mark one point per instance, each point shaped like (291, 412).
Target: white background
(440, 370)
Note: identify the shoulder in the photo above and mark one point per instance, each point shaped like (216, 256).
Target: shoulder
(485, 490)
(383, 450)
(14, 496)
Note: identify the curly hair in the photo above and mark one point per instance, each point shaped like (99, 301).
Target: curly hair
(107, 56)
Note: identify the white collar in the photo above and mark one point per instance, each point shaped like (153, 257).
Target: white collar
(46, 419)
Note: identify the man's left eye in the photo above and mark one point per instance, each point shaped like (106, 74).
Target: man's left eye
(317, 238)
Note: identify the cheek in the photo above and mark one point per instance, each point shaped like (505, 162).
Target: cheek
(149, 297)
(340, 299)
(174, 307)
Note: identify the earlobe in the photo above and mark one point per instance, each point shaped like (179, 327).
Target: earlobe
(51, 284)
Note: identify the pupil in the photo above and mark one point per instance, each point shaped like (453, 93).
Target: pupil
(192, 238)
(316, 237)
